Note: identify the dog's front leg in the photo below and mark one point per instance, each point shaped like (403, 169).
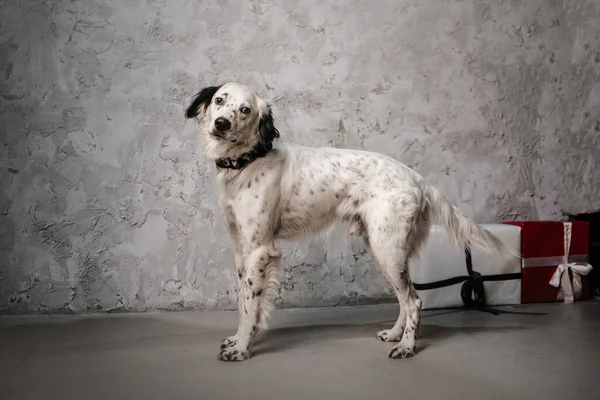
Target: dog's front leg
(240, 267)
(260, 269)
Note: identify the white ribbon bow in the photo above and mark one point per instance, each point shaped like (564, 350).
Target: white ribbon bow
(568, 290)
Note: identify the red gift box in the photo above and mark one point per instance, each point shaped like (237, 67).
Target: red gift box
(554, 261)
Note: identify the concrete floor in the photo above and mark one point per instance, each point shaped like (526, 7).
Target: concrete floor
(325, 354)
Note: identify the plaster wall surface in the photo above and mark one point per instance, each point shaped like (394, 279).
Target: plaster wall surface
(106, 204)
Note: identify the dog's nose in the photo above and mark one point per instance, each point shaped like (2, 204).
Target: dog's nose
(222, 124)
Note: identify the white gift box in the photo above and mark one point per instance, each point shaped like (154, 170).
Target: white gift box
(440, 260)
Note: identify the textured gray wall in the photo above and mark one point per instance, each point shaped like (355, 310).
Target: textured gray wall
(105, 205)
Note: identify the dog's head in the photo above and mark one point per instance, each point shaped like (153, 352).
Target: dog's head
(234, 119)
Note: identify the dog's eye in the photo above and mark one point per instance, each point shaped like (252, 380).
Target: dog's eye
(245, 110)
(219, 100)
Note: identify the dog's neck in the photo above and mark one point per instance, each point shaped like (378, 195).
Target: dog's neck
(242, 160)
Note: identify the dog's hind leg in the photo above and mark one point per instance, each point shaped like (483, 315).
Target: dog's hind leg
(395, 266)
(395, 333)
(409, 299)
(393, 241)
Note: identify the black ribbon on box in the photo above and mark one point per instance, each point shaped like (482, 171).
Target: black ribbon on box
(472, 291)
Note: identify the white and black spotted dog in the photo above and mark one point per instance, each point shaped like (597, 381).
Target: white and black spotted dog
(272, 192)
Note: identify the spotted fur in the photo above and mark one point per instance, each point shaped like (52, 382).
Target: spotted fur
(295, 190)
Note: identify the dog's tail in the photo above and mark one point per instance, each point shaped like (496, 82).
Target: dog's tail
(462, 231)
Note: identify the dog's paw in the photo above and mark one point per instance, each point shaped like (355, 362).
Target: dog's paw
(229, 342)
(233, 353)
(387, 335)
(401, 351)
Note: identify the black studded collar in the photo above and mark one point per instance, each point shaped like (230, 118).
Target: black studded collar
(242, 160)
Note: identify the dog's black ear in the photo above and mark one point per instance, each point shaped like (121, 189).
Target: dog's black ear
(267, 132)
(202, 99)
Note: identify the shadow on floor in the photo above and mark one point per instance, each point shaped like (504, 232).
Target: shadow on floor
(285, 338)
